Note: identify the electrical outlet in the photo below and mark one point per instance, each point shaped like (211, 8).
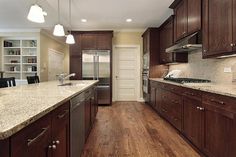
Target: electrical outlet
(227, 70)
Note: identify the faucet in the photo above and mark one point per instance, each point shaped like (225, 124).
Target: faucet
(62, 77)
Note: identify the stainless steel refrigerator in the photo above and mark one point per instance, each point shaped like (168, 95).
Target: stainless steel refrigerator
(97, 66)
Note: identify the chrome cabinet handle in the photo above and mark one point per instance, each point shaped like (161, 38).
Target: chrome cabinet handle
(232, 44)
(198, 108)
(33, 140)
(63, 115)
(201, 109)
(216, 101)
(56, 142)
(52, 146)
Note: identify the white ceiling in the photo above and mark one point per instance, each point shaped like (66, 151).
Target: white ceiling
(101, 14)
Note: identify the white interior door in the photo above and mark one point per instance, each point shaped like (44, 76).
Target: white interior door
(126, 73)
(55, 64)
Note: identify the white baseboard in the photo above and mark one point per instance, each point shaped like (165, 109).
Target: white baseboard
(141, 100)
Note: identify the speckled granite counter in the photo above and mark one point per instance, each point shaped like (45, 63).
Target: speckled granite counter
(22, 105)
(222, 89)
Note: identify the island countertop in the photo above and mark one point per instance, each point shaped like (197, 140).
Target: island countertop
(22, 105)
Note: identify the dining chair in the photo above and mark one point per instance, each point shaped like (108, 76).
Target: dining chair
(32, 79)
(7, 82)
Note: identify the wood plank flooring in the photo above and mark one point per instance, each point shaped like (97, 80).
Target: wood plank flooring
(132, 129)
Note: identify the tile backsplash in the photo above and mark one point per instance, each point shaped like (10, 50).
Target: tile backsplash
(212, 69)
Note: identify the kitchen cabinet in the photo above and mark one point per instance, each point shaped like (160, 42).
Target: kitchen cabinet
(218, 27)
(96, 41)
(217, 39)
(47, 137)
(61, 131)
(181, 21)
(4, 151)
(220, 125)
(34, 140)
(153, 97)
(158, 99)
(187, 17)
(193, 117)
(76, 67)
(166, 41)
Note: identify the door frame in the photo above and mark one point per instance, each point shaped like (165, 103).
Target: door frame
(138, 71)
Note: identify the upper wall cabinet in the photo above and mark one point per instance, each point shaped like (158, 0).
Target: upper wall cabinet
(219, 32)
(187, 17)
(167, 40)
(97, 41)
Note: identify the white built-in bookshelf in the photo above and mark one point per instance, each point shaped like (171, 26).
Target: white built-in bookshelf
(20, 58)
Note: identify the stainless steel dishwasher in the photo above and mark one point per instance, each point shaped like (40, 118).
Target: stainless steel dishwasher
(77, 125)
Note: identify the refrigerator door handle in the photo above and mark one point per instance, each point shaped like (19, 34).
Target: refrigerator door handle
(94, 67)
(98, 67)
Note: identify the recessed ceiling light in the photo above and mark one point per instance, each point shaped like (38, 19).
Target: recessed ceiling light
(83, 20)
(128, 20)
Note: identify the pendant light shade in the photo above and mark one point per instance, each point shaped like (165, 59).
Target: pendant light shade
(58, 30)
(70, 39)
(36, 14)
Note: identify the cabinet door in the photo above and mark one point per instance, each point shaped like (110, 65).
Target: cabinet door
(75, 67)
(158, 99)
(153, 97)
(75, 49)
(166, 40)
(93, 110)
(146, 42)
(181, 20)
(60, 131)
(34, 140)
(217, 27)
(4, 148)
(194, 16)
(87, 116)
(219, 132)
(104, 41)
(192, 121)
(234, 25)
(88, 42)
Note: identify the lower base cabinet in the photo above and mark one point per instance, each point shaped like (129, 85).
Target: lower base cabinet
(208, 120)
(50, 135)
(4, 148)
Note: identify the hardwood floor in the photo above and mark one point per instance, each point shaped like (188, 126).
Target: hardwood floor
(131, 129)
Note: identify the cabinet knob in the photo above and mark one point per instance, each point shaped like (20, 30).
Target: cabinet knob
(232, 45)
(52, 147)
(204, 51)
(183, 33)
(56, 142)
(201, 109)
(198, 108)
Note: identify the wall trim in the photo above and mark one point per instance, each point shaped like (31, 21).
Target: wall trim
(7, 30)
(50, 35)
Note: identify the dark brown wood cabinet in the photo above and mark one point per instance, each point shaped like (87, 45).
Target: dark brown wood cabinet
(4, 148)
(87, 116)
(181, 21)
(207, 120)
(89, 41)
(153, 97)
(61, 131)
(167, 40)
(34, 140)
(219, 126)
(194, 16)
(187, 17)
(218, 27)
(193, 119)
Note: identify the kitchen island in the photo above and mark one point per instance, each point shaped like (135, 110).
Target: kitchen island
(33, 117)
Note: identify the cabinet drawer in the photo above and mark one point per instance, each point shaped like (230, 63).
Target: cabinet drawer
(172, 88)
(61, 114)
(34, 138)
(220, 101)
(193, 94)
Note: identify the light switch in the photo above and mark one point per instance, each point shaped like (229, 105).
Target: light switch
(227, 70)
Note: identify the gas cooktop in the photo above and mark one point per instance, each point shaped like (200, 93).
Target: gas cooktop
(186, 80)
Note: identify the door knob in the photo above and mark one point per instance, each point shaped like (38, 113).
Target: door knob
(116, 77)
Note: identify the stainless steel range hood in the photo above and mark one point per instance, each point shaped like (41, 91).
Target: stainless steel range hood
(188, 44)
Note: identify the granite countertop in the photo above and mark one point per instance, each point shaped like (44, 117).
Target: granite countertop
(22, 105)
(222, 89)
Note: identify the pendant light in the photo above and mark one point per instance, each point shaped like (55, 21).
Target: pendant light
(70, 38)
(58, 28)
(36, 14)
